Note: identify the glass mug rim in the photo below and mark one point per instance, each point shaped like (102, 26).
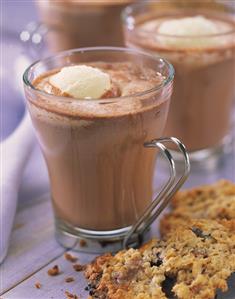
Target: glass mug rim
(132, 8)
(167, 81)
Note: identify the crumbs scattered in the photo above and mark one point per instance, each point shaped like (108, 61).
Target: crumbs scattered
(78, 267)
(69, 279)
(38, 285)
(70, 257)
(53, 271)
(71, 296)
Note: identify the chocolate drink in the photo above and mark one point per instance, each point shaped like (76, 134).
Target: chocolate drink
(100, 172)
(80, 23)
(204, 89)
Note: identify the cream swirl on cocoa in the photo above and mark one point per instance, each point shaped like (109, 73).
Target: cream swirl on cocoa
(111, 93)
(197, 40)
(189, 32)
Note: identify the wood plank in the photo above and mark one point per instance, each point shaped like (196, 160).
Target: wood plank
(53, 286)
(32, 244)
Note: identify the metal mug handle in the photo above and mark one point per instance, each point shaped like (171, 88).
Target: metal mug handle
(168, 190)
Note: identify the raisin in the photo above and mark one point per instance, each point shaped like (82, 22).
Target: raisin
(199, 233)
(158, 262)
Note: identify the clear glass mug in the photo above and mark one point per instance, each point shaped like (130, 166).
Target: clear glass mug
(73, 24)
(204, 85)
(97, 153)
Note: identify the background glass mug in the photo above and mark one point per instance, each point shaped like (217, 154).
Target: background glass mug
(73, 24)
(100, 169)
(204, 86)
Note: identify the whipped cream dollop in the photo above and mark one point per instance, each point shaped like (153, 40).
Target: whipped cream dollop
(190, 26)
(195, 31)
(81, 82)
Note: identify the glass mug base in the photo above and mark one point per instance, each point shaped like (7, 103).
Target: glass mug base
(210, 155)
(91, 241)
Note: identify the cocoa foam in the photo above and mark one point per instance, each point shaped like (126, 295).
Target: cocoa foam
(129, 79)
(193, 51)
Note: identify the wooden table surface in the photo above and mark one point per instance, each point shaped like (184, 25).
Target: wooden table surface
(33, 248)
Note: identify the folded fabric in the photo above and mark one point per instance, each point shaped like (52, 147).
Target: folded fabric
(15, 151)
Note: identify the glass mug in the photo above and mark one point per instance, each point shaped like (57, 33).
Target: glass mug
(201, 105)
(73, 24)
(98, 153)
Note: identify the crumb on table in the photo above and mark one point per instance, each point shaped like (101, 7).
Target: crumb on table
(69, 279)
(38, 285)
(83, 243)
(78, 267)
(69, 257)
(70, 295)
(53, 271)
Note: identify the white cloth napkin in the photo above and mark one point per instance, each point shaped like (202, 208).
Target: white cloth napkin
(15, 151)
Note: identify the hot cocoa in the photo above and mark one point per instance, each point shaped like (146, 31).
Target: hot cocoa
(101, 174)
(200, 42)
(80, 23)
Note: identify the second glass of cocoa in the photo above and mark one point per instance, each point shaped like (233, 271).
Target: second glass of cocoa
(199, 40)
(82, 23)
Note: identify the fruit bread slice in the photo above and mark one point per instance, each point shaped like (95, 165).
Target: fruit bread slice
(216, 201)
(193, 261)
